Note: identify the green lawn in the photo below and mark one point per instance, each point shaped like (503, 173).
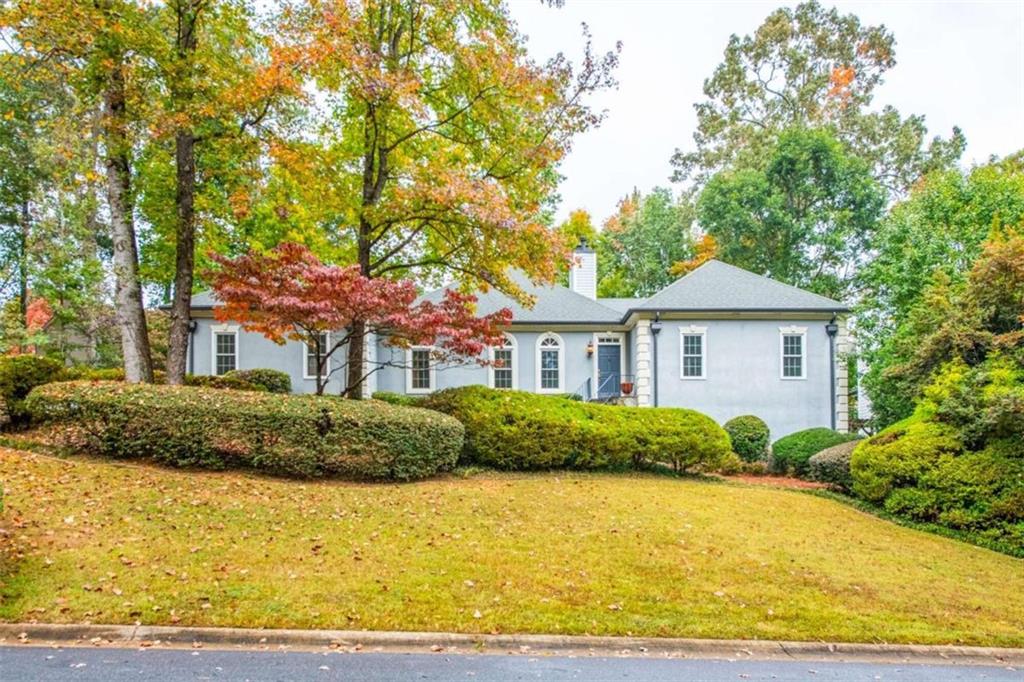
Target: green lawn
(555, 553)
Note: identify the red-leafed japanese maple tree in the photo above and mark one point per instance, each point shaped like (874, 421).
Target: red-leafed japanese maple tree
(289, 294)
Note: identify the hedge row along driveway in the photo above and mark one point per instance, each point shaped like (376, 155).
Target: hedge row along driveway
(572, 553)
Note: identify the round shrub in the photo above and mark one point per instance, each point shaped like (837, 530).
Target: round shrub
(19, 374)
(749, 436)
(399, 398)
(832, 466)
(293, 435)
(518, 430)
(223, 381)
(271, 380)
(84, 373)
(791, 453)
(899, 456)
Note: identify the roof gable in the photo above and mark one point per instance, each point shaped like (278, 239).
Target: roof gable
(718, 286)
(554, 304)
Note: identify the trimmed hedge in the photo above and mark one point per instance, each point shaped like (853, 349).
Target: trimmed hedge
(19, 374)
(270, 380)
(403, 399)
(223, 381)
(791, 453)
(750, 437)
(832, 466)
(292, 435)
(518, 431)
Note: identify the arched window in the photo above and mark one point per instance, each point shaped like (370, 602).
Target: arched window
(550, 363)
(504, 368)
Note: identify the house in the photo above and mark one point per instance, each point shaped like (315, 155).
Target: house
(720, 340)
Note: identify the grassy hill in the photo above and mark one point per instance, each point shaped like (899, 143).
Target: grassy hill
(555, 553)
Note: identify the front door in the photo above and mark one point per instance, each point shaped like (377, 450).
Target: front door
(609, 368)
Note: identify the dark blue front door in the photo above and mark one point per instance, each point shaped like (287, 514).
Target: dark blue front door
(609, 366)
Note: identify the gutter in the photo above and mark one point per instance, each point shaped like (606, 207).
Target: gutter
(832, 329)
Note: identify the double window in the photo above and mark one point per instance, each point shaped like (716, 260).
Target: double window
(225, 349)
(793, 342)
(310, 368)
(420, 370)
(693, 355)
(550, 363)
(504, 365)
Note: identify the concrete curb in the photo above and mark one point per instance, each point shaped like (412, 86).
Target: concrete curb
(145, 636)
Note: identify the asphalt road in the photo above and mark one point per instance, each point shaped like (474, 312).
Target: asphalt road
(121, 665)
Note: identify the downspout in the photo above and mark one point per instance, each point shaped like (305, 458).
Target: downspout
(192, 326)
(655, 330)
(832, 329)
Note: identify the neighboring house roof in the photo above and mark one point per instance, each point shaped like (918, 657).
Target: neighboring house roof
(554, 304)
(718, 286)
(204, 300)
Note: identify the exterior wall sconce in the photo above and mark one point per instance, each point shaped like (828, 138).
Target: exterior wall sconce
(590, 349)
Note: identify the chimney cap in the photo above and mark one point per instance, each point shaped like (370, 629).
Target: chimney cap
(583, 247)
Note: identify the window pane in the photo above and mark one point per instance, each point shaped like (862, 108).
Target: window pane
(549, 369)
(421, 369)
(503, 368)
(792, 355)
(792, 366)
(225, 359)
(691, 344)
(311, 363)
(692, 366)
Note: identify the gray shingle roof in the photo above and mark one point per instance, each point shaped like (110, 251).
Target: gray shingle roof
(204, 299)
(719, 286)
(714, 286)
(554, 304)
(621, 304)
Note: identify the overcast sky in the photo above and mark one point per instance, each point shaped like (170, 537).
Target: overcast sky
(958, 63)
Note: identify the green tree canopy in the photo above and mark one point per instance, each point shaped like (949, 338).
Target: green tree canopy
(642, 241)
(921, 255)
(809, 66)
(804, 218)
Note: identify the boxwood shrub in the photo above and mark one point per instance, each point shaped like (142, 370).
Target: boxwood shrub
(399, 398)
(750, 437)
(271, 380)
(19, 374)
(294, 435)
(832, 466)
(921, 470)
(791, 453)
(518, 430)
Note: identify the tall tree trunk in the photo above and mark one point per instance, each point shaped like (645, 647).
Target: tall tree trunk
(356, 369)
(131, 316)
(185, 231)
(184, 266)
(23, 262)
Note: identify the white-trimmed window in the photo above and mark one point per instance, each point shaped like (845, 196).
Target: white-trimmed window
(550, 363)
(693, 352)
(419, 373)
(225, 349)
(309, 368)
(504, 367)
(793, 352)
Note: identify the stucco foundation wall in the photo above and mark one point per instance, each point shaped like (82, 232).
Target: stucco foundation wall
(743, 374)
(256, 351)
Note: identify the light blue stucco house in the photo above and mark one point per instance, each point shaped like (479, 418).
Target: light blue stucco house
(720, 340)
